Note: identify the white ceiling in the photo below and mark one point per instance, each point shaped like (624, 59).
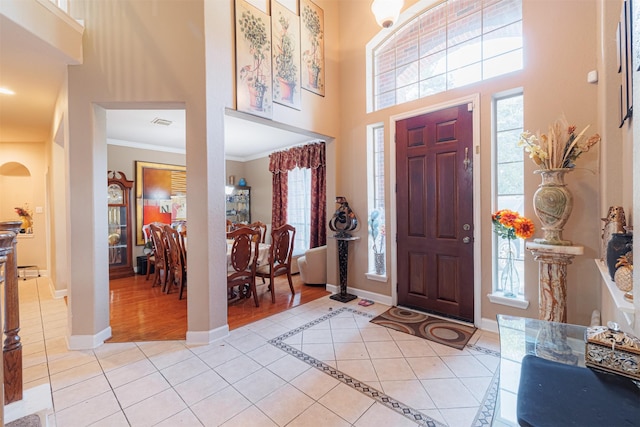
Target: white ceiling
(244, 139)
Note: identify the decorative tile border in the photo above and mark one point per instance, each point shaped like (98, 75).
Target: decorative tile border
(483, 418)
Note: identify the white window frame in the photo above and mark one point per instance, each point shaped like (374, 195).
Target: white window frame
(376, 196)
(496, 296)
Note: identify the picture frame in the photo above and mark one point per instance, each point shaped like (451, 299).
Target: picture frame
(312, 47)
(285, 51)
(159, 187)
(254, 80)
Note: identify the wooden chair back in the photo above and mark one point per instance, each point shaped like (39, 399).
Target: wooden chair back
(160, 255)
(280, 253)
(176, 266)
(261, 227)
(242, 261)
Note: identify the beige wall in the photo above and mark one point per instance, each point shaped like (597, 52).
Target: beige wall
(559, 51)
(175, 54)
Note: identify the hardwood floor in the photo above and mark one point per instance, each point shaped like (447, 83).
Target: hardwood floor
(139, 312)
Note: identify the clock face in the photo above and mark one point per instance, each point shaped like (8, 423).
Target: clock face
(115, 194)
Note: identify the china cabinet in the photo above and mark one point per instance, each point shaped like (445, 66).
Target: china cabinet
(119, 216)
(238, 204)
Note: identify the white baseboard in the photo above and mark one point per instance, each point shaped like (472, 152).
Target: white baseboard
(207, 337)
(35, 400)
(382, 299)
(488, 325)
(88, 342)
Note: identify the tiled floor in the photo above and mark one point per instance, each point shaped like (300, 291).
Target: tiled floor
(321, 364)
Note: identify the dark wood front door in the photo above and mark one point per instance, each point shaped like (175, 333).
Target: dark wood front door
(435, 212)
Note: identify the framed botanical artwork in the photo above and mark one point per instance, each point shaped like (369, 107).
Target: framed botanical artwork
(253, 61)
(312, 46)
(161, 191)
(285, 50)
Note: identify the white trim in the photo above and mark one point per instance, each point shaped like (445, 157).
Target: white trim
(498, 298)
(88, 342)
(207, 337)
(377, 277)
(488, 325)
(474, 99)
(382, 299)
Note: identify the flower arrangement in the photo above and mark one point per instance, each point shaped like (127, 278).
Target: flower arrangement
(510, 225)
(24, 212)
(560, 147)
(254, 31)
(378, 232)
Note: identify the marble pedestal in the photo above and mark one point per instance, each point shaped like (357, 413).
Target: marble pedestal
(553, 261)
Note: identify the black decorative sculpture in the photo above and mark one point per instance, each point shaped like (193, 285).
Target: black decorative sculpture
(343, 221)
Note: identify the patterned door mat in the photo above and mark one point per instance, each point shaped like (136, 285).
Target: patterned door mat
(430, 328)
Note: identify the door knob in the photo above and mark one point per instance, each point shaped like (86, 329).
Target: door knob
(466, 240)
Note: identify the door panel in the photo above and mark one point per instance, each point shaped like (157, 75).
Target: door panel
(435, 201)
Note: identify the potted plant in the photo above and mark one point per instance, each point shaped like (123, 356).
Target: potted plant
(378, 232)
(286, 69)
(311, 57)
(255, 33)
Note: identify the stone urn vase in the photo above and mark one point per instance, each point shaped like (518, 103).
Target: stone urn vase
(552, 204)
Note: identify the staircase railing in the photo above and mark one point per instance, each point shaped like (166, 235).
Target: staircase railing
(12, 347)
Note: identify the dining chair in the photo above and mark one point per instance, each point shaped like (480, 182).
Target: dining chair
(148, 249)
(177, 273)
(242, 262)
(261, 227)
(280, 253)
(160, 255)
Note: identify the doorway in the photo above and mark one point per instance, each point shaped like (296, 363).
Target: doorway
(434, 204)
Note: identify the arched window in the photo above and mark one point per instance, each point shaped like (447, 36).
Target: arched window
(448, 45)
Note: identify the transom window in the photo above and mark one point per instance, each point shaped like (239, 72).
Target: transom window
(449, 45)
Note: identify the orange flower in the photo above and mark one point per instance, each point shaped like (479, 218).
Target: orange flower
(507, 217)
(523, 227)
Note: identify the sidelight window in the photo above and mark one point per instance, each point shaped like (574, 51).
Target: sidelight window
(508, 178)
(376, 221)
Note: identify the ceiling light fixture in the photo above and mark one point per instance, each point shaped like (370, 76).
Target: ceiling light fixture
(5, 91)
(386, 11)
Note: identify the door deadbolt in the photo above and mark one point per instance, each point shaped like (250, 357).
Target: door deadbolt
(466, 227)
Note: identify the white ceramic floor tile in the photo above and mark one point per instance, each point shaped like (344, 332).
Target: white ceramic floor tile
(259, 384)
(346, 402)
(248, 342)
(288, 367)
(184, 418)
(155, 409)
(361, 370)
(184, 370)
(201, 386)
(319, 351)
(116, 420)
(314, 383)
(415, 348)
(284, 404)
(127, 373)
(251, 416)
(220, 407)
(393, 369)
(140, 389)
(477, 386)
(449, 393)
(430, 367)
(238, 368)
(266, 354)
(346, 335)
(381, 416)
(459, 416)
(80, 392)
(375, 333)
(75, 375)
(383, 349)
(318, 415)
(466, 366)
(350, 350)
(409, 392)
(343, 323)
(317, 336)
(88, 411)
(124, 357)
(219, 354)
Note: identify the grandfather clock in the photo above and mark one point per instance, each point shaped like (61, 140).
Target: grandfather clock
(120, 231)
